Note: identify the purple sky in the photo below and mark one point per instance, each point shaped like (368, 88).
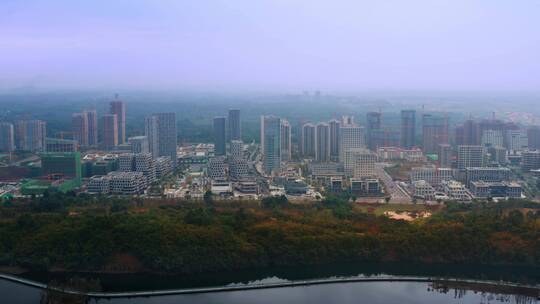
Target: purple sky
(271, 45)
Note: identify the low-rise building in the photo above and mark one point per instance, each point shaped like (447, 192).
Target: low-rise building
(455, 191)
(336, 184)
(482, 189)
(434, 176)
(422, 189)
(221, 187)
(486, 174)
(530, 160)
(99, 184)
(164, 166)
(216, 168)
(365, 186)
(118, 182)
(396, 153)
(247, 187)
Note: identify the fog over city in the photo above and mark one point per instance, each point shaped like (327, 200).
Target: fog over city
(284, 46)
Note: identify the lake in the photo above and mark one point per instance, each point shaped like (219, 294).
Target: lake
(342, 292)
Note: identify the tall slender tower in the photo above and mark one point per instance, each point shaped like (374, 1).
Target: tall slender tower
(322, 142)
(435, 132)
(334, 139)
(408, 128)
(219, 136)
(308, 140)
(79, 123)
(92, 127)
(162, 134)
(272, 144)
(151, 132)
(7, 137)
(30, 135)
(373, 123)
(118, 107)
(234, 129)
(286, 140)
(110, 131)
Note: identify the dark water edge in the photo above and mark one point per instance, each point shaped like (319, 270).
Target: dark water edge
(147, 281)
(343, 293)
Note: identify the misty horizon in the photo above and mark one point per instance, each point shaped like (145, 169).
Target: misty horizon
(269, 46)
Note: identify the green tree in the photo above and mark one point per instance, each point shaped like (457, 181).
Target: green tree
(208, 197)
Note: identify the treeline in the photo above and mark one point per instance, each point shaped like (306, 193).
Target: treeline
(126, 235)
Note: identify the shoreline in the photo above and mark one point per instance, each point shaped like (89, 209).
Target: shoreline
(495, 286)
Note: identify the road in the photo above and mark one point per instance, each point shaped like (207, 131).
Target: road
(397, 194)
(28, 159)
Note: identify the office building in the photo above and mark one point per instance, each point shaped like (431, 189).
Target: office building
(286, 141)
(62, 165)
(533, 137)
(408, 128)
(237, 149)
(60, 145)
(373, 123)
(30, 135)
(127, 183)
(468, 133)
(99, 184)
(143, 162)
(350, 137)
(385, 137)
(434, 176)
(365, 186)
(79, 124)
(92, 119)
(163, 166)
(395, 153)
(492, 138)
(470, 156)
(359, 162)
(308, 140)
(126, 162)
(272, 144)
(322, 142)
(482, 189)
(235, 125)
(119, 109)
(334, 139)
(445, 155)
(161, 131)
(238, 169)
(139, 144)
(423, 190)
(497, 155)
(530, 160)
(219, 136)
(109, 122)
(455, 190)
(7, 137)
(516, 140)
(151, 132)
(486, 174)
(435, 132)
(216, 168)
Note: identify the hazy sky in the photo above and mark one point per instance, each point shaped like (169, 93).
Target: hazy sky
(273, 45)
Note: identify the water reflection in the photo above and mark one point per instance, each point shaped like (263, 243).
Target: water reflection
(357, 293)
(489, 293)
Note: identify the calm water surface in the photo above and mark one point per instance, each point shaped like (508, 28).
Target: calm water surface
(357, 293)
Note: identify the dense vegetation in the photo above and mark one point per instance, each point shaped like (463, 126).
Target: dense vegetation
(110, 234)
